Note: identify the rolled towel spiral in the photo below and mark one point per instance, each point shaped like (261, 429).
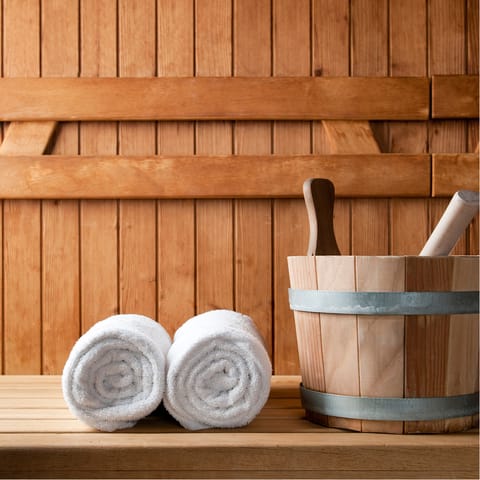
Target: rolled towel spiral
(218, 371)
(115, 373)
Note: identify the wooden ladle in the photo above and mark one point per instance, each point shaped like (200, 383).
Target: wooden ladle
(319, 194)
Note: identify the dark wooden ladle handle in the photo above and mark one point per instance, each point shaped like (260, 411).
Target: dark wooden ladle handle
(319, 194)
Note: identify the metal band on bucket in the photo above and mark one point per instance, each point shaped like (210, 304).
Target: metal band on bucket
(389, 408)
(384, 303)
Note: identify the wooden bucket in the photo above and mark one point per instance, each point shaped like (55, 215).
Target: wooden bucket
(388, 344)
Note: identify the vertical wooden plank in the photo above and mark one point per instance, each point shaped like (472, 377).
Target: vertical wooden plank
(137, 218)
(253, 218)
(447, 56)
(303, 275)
(426, 337)
(21, 219)
(60, 235)
(331, 33)
(98, 218)
(408, 33)
(381, 339)
(291, 57)
(462, 359)
(339, 335)
(214, 220)
(369, 57)
(176, 218)
(473, 125)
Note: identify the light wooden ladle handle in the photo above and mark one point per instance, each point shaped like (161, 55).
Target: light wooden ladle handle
(319, 194)
(459, 213)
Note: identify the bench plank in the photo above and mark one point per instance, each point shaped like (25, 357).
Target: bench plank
(40, 443)
(455, 96)
(208, 98)
(229, 176)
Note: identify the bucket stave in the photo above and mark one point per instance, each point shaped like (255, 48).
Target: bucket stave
(390, 356)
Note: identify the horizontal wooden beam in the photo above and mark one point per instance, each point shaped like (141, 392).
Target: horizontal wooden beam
(455, 96)
(206, 98)
(87, 177)
(453, 172)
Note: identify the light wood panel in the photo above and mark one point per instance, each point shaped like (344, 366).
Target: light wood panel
(447, 56)
(175, 218)
(407, 33)
(21, 219)
(98, 219)
(291, 57)
(214, 221)
(137, 220)
(212, 176)
(253, 217)
(213, 98)
(455, 96)
(369, 56)
(452, 172)
(330, 57)
(60, 219)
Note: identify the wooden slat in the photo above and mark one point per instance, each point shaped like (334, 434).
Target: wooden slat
(330, 56)
(137, 220)
(64, 177)
(454, 172)
(175, 218)
(214, 219)
(214, 98)
(253, 217)
(291, 48)
(21, 220)
(98, 219)
(455, 96)
(60, 219)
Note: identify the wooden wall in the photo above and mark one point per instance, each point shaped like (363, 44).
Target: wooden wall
(67, 264)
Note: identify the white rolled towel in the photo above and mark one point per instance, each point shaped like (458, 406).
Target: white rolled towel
(218, 371)
(115, 373)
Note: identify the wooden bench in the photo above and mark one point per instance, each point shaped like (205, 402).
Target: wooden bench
(39, 438)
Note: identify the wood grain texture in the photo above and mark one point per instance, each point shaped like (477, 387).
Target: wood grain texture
(330, 57)
(21, 220)
(340, 335)
(216, 176)
(175, 218)
(291, 57)
(214, 221)
(253, 217)
(278, 443)
(472, 67)
(455, 96)
(60, 219)
(213, 98)
(462, 356)
(446, 56)
(380, 339)
(407, 33)
(369, 56)
(426, 337)
(452, 172)
(27, 138)
(98, 218)
(137, 219)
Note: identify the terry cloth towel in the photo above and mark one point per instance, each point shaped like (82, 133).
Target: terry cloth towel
(218, 371)
(115, 374)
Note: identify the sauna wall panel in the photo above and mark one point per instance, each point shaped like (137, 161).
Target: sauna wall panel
(68, 263)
